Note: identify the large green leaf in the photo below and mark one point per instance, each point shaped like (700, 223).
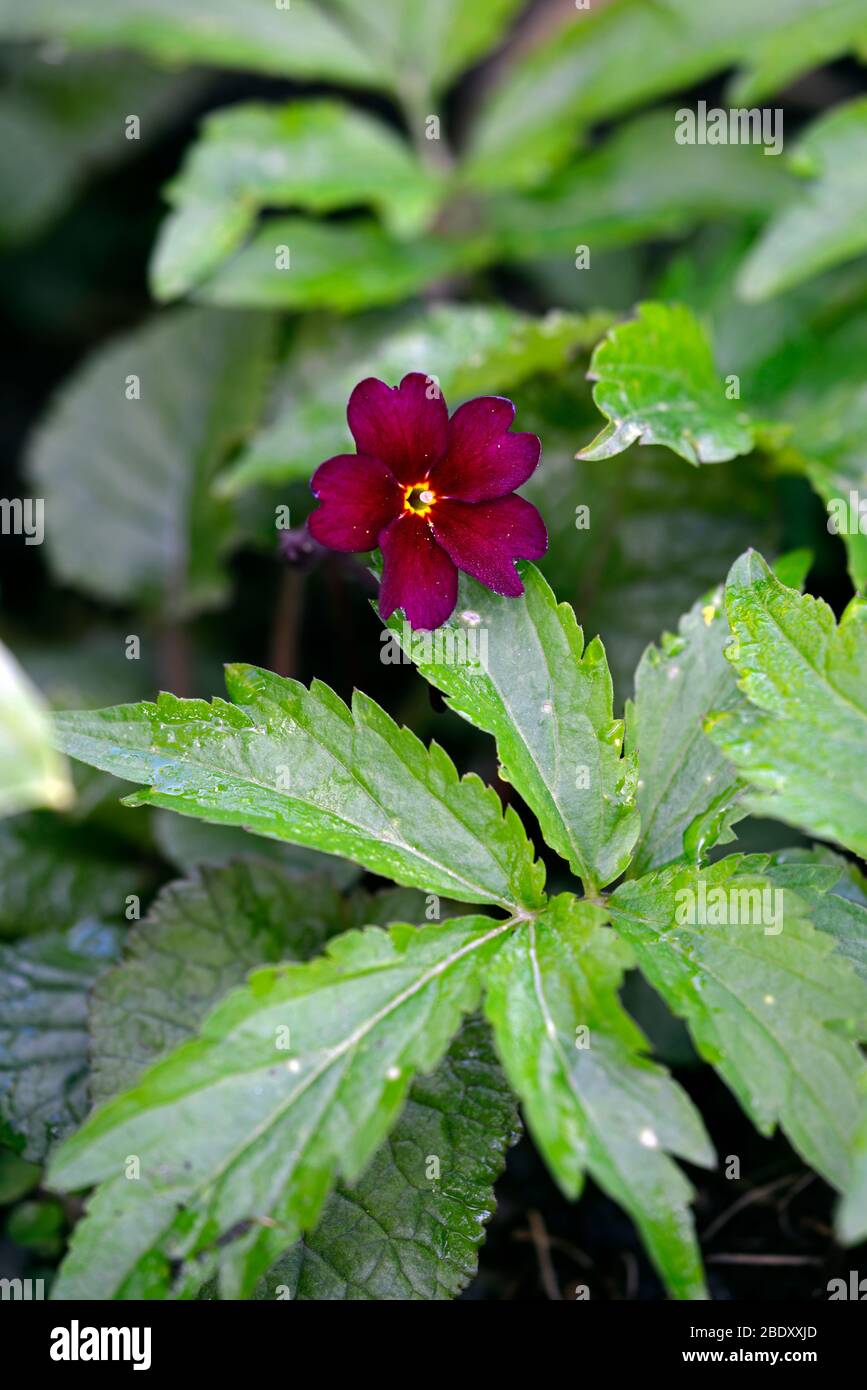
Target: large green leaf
(656, 382)
(249, 1139)
(297, 764)
(520, 670)
(800, 740)
(299, 263)
(301, 38)
(127, 480)
(828, 223)
(52, 874)
(767, 997)
(384, 1236)
(593, 1102)
(31, 773)
(639, 184)
(44, 987)
(687, 791)
(471, 349)
(317, 155)
(613, 58)
(398, 1233)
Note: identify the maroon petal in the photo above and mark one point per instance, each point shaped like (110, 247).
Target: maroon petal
(483, 459)
(417, 575)
(486, 538)
(358, 496)
(406, 426)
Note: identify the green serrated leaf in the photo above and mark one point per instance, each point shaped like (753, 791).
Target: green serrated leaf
(686, 789)
(316, 155)
(126, 477)
(44, 987)
(656, 382)
(471, 349)
(297, 764)
(835, 892)
(399, 1233)
(293, 1082)
(519, 670)
(828, 223)
(767, 998)
(592, 1101)
(800, 739)
(31, 772)
(382, 1238)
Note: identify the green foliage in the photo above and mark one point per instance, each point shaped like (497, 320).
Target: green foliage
(827, 223)
(592, 1101)
(637, 184)
(316, 155)
(601, 64)
(276, 1083)
(687, 795)
(225, 922)
(53, 874)
(306, 43)
(657, 384)
(44, 984)
(798, 740)
(763, 998)
(548, 701)
(313, 1061)
(299, 765)
(297, 263)
(60, 124)
(165, 406)
(414, 1237)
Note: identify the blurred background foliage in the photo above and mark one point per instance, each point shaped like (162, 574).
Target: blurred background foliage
(249, 206)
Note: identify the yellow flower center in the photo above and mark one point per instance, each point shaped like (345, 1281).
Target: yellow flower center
(418, 498)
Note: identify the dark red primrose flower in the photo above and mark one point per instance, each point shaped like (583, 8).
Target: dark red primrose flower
(435, 494)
